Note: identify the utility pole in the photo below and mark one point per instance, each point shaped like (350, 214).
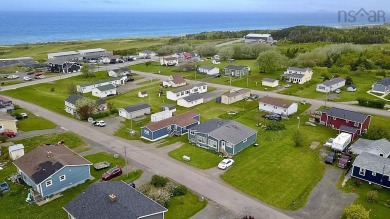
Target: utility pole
(127, 172)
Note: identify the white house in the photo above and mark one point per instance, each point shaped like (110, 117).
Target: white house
(378, 147)
(269, 82)
(147, 53)
(330, 85)
(168, 107)
(259, 38)
(16, 151)
(86, 88)
(186, 91)
(142, 94)
(70, 103)
(208, 70)
(118, 72)
(191, 100)
(104, 91)
(235, 95)
(175, 81)
(134, 111)
(169, 61)
(161, 116)
(277, 106)
(298, 75)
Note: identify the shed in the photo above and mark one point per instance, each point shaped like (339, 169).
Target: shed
(16, 151)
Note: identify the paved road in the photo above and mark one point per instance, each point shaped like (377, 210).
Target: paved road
(186, 175)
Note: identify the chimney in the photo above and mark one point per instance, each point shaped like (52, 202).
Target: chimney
(112, 197)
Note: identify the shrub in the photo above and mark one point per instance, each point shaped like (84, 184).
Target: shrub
(3, 138)
(160, 195)
(180, 190)
(379, 104)
(376, 133)
(100, 115)
(298, 138)
(372, 196)
(356, 212)
(357, 182)
(377, 187)
(52, 89)
(16, 107)
(159, 181)
(114, 111)
(275, 126)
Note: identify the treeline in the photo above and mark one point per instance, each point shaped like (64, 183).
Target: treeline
(309, 34)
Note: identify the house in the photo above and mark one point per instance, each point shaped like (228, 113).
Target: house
(277, 106)
(259, 38)
(7, 122)
(382, 86)
(269, 82)
(186, 91)
(175, 81)
(16, 151)
(142, 94)
(93, 53)
(208, 70)
(147, 53)
(104, 91)
(161, 116)
(378, 147)
(101, 105)
(235, 95)
(86, 88)
(190, 101)
(70, 103)
(222, 135)
(176, 125)
(236, 71)
(372, 168)
(134, 111)
(169, 61)
(51, 169)
(345, 121)
(168, 107)
(187, 56)
(118, 72)
(5, 104)
(330, 85)
(114, 200)
(298, 75)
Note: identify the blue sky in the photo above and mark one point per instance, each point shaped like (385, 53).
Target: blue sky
(194, 5)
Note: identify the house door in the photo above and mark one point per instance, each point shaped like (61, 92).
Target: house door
(223, 145)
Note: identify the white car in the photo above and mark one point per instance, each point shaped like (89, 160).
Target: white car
(24, 115)
(27, 78)
(99, 123)
(287, 85)
(225, 163)
(329, 142)
(13, 76)
(337, 91)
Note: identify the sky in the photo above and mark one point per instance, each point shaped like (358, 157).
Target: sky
(194, 5)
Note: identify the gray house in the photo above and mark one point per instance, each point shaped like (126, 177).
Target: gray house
(236, 71)
(222, 136)
(70, 103)
(134, 111)
(382, 86)
(378, 147)
(114, 200)
(51, 169)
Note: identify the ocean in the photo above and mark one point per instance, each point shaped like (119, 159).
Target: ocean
(39, 27)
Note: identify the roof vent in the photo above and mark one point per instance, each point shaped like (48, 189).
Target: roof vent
(112, 197)
(49, 154)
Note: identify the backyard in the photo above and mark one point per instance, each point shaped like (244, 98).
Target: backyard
(33, 122)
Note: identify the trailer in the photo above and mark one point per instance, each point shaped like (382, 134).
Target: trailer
(341, 142)
(101, 165)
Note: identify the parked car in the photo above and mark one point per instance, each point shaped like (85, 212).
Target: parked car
(8, 133)
(275, 117)
(217, 76)
(225, 163)
(112, 173)
(254, 96)
(13, 76)
(30, 73)
(132, 184)
(287, 85)
(27, 78)
(344, 161)
(330, 158)
(99, 123)
(329, 142)
(24, 115)
(337, 91)
(303, 102)
(38, 76)
(129, 79)
(5, 76)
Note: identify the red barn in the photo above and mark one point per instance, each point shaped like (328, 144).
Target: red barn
(346, 121)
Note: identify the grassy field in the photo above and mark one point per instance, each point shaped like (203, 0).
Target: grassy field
(33, 122)
(183, 207)
(200, 158)
(71, 140)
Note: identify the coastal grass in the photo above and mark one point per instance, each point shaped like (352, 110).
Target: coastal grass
(183, 207)
(33, 122)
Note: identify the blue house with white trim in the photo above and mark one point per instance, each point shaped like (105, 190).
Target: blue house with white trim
(176, 125)
(51, 169)
(372, 168)
(222, 136)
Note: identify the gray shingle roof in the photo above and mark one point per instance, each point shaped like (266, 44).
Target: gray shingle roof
(238, 92)
(106, 87)
(345, 114)
(206, 67)
(294, 75)
(193, 97)
(235, 67)
(373, 163)
(298, 69)
(101, 102)
(366, 145)
(269, 80)
(384, 82)
(189, 87)
(73, 98)
(94, 202)
(136, 107)
(332, 82)
(228, 130)
(348, 129)
(169, 106)
(101, 81)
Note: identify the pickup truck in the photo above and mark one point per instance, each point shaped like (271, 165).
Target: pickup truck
(101, 165)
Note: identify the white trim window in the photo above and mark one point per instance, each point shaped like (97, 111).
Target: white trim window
(362, 172)
(246, 139)
(373, 173)
(146, 132)
(192, 132)
(356, 124)
(49, 183)
(62, 178)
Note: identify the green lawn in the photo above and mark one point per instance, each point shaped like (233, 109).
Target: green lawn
(71, 140)
(183, 207)
(33, 122)
(200, 158)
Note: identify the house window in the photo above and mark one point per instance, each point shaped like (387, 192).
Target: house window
(246, 139)
(146, 132)
(191, 132)
(356, 124)
(373, 173)
(347, 121)
(381, 155)
(334, 118)
(62, 178)
(49, 183)
(362, 172)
